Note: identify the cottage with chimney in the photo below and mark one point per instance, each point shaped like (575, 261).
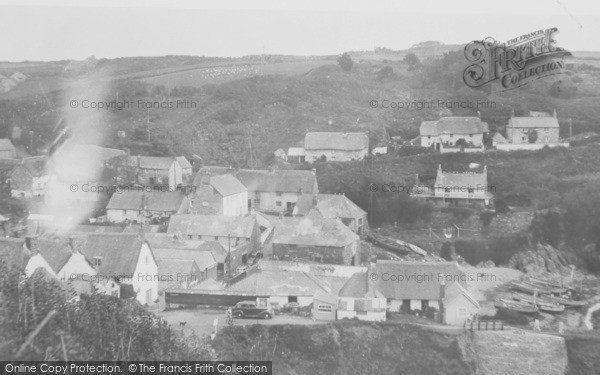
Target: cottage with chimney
(359, 299)
(532, 132)
(457, 188)
(59, 258)
(217, 195)
(454, 134)
(165, 171)
(142, 206)
(426, 285)
(331, 146)
(333, 206)
(30, 177)
(227, 230)
(315, 238)
(127, 258)
(277, 190)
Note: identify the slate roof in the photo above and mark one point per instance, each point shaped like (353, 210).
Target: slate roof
(169, 268)
(461, 180)
(277, 283)
(169, 201)
(286, 181)
(151, 162)
(325, 297)
(6, 145)
(207, 225)
(203, 259)
(428, 288)
(453, 125)
(93, 152)
(119, 252)
(55, 253)
(337, 205)
(227, 185)
(313, 230)
(336, 141)
(533, 122)
(357, 286)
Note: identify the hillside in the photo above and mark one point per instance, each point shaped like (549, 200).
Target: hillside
(348, 348)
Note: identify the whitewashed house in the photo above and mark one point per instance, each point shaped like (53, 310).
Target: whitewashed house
(128, 258)
(217, 195)
(331, 146)
(59, 259)
(142, 206)
(454, 134)
(277, 190)
(359, 299)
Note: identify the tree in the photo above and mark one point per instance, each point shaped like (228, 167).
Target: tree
(532, 136)
(461, 142)
(345, 62)
(385, 72)
(411, 60)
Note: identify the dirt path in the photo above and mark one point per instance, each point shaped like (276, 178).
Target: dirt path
(588, 316)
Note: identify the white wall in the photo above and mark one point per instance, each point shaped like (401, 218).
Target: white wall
(145, 276)
(528, 146)
(119, 216)
(236, 204)
(77, 264)
(335, 155)
(35, 262)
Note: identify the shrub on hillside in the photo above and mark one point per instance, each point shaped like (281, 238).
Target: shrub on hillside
(509, 317)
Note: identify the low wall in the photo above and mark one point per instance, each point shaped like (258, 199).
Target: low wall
(527, 146)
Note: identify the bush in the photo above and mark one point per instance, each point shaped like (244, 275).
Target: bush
(509, 317)
(345, 62)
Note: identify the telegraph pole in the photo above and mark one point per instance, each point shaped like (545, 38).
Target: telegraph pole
(228, 258)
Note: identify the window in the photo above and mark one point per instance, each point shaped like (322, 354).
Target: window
(462, 311)
(451, 135)
(189, 236)
(428, 137)
(471, 190)
(292, 299)
(199, 237)
(279, 194)
(216, 238)
(257, 201)
(324, 308)
(470, 135)
(278, 203)
(97, 261)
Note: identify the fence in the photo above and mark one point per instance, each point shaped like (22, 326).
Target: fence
(487, 325)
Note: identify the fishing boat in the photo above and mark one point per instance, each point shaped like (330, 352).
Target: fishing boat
(529, 288)
(542, 303)
(521, 307)
(553, 287)
(566, 302)
(388, 244)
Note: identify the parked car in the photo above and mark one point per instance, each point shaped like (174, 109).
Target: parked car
(250, 309)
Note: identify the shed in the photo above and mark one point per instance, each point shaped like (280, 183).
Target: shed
(324, 306)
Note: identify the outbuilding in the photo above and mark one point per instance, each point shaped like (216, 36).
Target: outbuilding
(324, 306)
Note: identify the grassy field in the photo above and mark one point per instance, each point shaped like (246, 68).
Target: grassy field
(218, 74)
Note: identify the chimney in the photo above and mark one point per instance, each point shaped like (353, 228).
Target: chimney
(554, 113)
(417, 179)
(314, 200)
(478, 114)
(512, 113)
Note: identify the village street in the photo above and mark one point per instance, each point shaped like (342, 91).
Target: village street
(200, 321)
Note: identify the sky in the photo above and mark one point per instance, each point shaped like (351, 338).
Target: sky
(50, 30)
